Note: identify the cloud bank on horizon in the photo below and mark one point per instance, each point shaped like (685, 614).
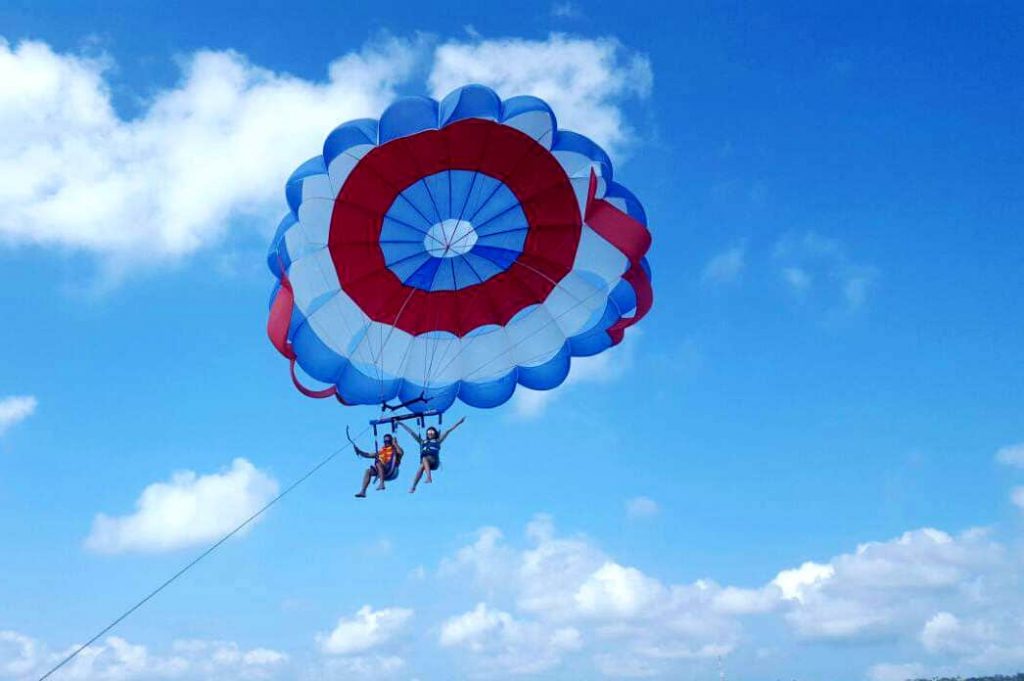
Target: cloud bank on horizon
(556, 601)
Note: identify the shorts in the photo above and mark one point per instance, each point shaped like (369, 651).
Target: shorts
(432, 461)
(390, 471)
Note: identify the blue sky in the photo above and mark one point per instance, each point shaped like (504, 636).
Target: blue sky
(809, 461)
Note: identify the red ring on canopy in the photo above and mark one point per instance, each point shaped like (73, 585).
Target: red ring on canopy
(528, 169)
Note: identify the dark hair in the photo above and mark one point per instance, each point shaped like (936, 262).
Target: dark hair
(388, 438)
(436, 432)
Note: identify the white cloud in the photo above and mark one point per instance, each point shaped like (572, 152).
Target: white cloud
(886, 589)
(856, 286)
(565, 10)
(1011, 455)
(567, 592)
(797, 278)
(362, 667)
(641, 507)
(19, 655)
(603, 368)
(472, 628)
(942, 633)
(217, 146)
(617, 591)
(726, 267)
(903, 591)
(14, 410)
(731, 600)
(793, 583)
(488, 560)
(503, 645)
(895, 672)
(187, 510)
(1017, 497)
(812, 263)
(368, 629)
(977, 643)
(548, 574)
(585, 81)
(115, 659)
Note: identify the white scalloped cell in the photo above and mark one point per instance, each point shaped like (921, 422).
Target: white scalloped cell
(312, 277)
(575, 301)
(317, 186)
(534, 337)
(342, 326)
(344, 162)
(391, 346)
(597, 256)
(427, 359)
(536, 124)
(315, 220)
(576, 164)
(581, 188)
(485, 354)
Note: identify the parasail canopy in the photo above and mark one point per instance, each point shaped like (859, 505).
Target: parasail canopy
(454, 250)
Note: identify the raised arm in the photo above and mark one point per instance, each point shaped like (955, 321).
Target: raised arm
(359, 452)
(365, 455)
(449, 431)
(415, 435)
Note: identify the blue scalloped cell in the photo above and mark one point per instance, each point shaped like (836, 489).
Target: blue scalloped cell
(293, 188)
(627, 201)
(532, 116)
(297, 321)
(471, 101)
(356, 387)
(548, 375)
(595, 340)
(566, 140)
(357, 133)
(623, 297)
(408, 116)
(278, 259)
(315, 358)
(488, 394)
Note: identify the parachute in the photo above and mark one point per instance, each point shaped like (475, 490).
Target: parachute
(454, 250)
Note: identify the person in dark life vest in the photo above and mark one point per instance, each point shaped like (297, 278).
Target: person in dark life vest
(430, 450)
(385, 463)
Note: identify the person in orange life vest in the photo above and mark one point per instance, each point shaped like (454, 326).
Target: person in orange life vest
(385, 463)
(430, 450)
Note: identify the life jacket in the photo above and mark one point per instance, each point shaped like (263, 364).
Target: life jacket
(385, 454)
(430, 448)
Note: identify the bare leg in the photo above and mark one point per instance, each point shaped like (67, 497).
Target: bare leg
(426, 467)
(380, 474)
(366, 483)
(419, 474)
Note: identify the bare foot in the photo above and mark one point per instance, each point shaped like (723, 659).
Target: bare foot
(429, 480)
(412, 490)
(361, 495)
(380, 488)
